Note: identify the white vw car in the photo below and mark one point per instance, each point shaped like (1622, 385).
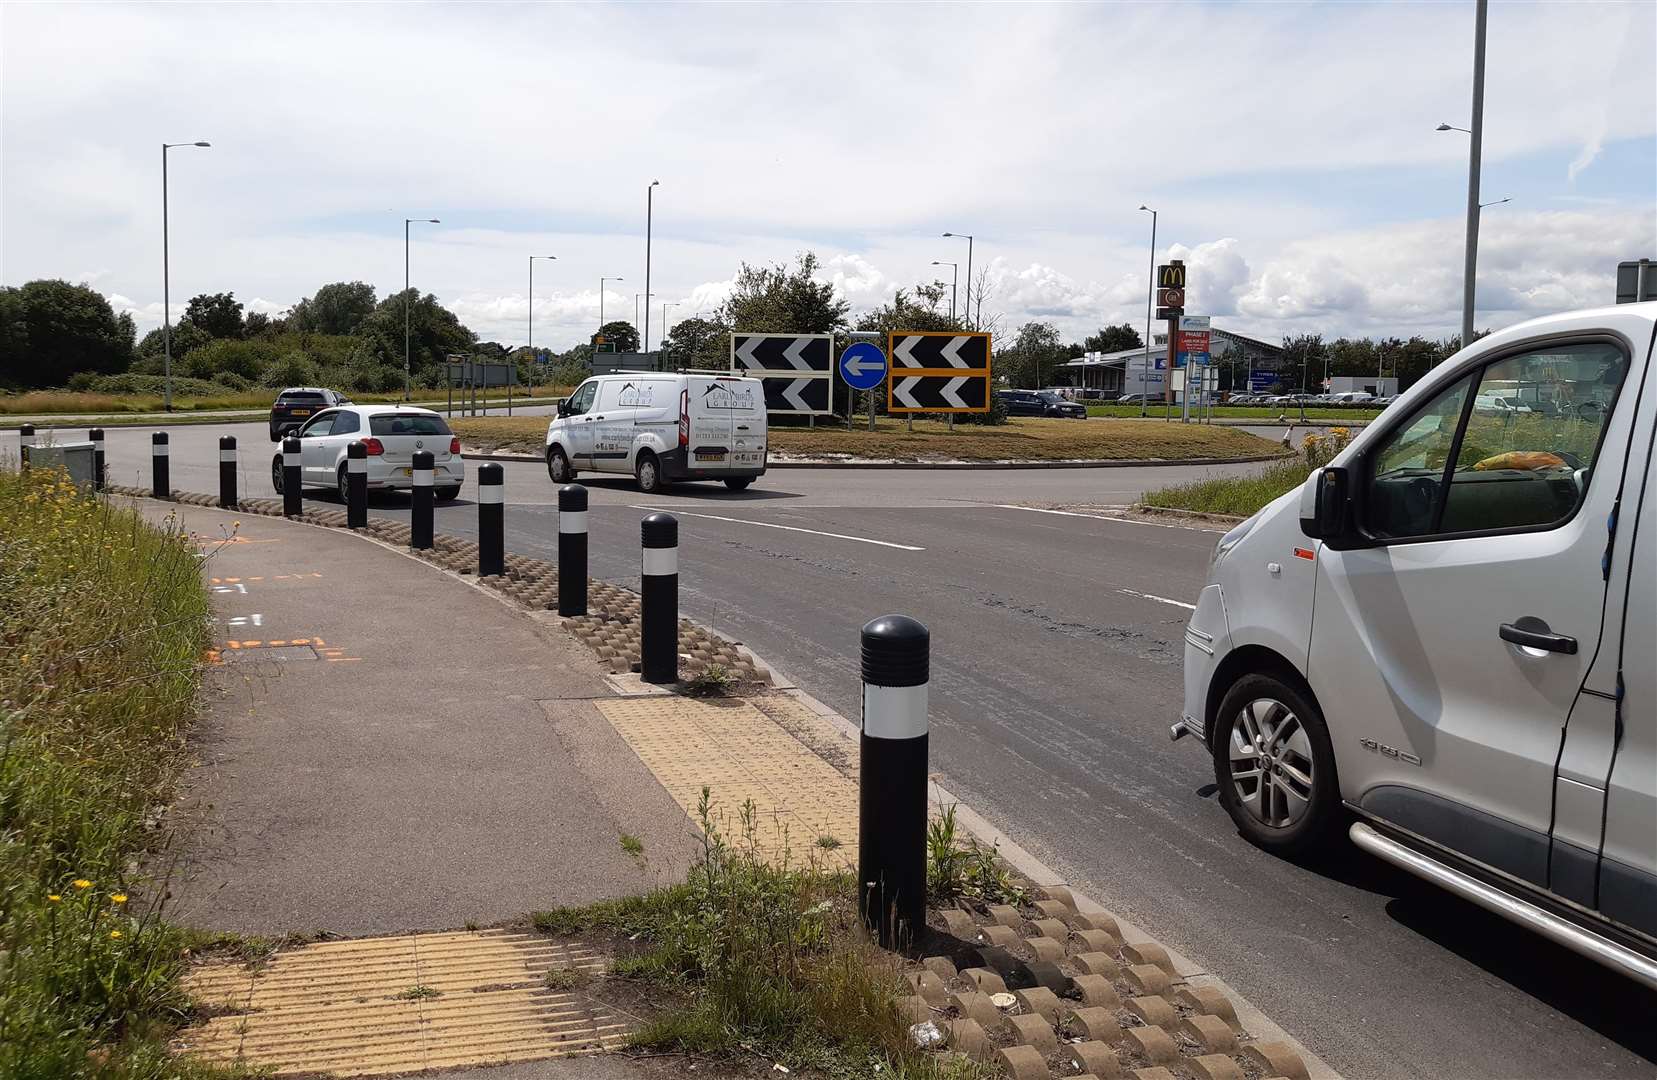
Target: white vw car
(391, 434)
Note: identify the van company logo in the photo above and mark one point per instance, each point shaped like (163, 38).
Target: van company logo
(634, 396)
(723, 396)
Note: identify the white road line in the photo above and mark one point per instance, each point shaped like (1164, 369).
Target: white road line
(1159, 599)
(786, 528)
(1099, 517)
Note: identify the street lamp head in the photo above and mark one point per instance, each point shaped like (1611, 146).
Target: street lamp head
(433, 221)
(653, 183)
(203, 144)
(1142, 206)
(1444, 127)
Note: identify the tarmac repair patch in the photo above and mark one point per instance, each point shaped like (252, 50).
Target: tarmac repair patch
(381, 1006)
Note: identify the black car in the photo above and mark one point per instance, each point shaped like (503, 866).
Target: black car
(297, 404)
(1039, 403)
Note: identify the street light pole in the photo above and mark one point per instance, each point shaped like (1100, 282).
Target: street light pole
(970, 320)
(406, 366)
(1150, 293)
(1474, 153)
(649, 209)
(532, 259)
(954, 280)
(166, 286)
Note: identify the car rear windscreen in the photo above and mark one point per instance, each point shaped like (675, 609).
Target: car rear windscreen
(300, 399)
(407, 424)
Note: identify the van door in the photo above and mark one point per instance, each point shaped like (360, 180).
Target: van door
(1450, 646)
(612, 424)
(716, 404)
(577, 432)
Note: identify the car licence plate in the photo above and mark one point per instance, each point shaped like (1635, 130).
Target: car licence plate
(406, 472)
(299, 412)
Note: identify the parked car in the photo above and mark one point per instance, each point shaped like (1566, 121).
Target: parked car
(1039, 403)
(1066, 392)
(1352, 397)
(297, 404)
(391, 434)
(1499, 404)
(1137, 399)
(661, 427)
(1478, 705)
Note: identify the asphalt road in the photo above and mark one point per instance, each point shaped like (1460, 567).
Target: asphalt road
(1056, 670)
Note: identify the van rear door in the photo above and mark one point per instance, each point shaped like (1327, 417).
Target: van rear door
(725, 422)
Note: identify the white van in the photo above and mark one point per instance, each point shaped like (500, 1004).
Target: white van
(661, 427)
(1450, 635)
(1352, 397)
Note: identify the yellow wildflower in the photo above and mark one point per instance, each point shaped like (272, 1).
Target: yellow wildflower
(81, 883)
(119, 898)
(115, 933)
(53, 897)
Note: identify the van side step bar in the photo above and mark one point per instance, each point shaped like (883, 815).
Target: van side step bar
(1634, 965)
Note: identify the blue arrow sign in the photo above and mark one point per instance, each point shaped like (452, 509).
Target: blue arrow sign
(863, 366)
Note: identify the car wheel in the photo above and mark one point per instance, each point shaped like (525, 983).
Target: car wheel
(648, 472)
(276, 473)
(1274, 765)
(448, 494)
(344, 486)
(558, 466)
(736, 483)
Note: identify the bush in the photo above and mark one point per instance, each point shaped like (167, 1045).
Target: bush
(232, 381)
(1240, 496)
(242, 358)
(291, 369)
(103, 621)
(154, 384)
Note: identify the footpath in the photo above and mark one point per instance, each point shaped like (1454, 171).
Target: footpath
(398, 762)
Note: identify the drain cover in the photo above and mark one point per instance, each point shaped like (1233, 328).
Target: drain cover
(284, 653)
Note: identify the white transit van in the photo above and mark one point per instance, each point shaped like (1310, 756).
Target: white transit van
(661, 427)
(1445, 642)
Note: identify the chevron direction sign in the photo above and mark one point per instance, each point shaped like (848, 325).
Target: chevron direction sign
(797, 370)
(935, 372)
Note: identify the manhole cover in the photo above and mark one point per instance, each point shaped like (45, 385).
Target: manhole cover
(283, 653)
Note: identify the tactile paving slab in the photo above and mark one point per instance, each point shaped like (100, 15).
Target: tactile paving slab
(382, 1006)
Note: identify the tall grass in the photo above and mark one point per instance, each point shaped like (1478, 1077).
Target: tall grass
(772, 959)
(1241, 496)
(103, 621)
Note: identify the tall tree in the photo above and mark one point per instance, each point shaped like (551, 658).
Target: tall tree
(779, 299)
(1036, 348)
(697, 343)
(337, 308)
(218, 315)
(1113, 339)
(49, 330)
(623, 335)
(434, 332)
(1302, 361)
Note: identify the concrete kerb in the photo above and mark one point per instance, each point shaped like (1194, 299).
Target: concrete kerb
(880, 463)
(1039, 873)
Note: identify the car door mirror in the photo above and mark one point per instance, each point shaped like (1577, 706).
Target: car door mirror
(1327, 505)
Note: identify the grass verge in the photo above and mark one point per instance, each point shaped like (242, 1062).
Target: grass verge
(1244, 412)
(1017, 440)
(103, 620)
(1241, 496)
(765, 960)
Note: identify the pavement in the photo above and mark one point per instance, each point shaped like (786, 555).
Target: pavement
(1056, 659)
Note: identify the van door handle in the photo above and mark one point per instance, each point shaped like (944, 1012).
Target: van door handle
(1534, 634)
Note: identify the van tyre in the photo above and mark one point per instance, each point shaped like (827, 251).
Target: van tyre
(648, 472)
(739, 483)
(558, 466)
(1275, 767)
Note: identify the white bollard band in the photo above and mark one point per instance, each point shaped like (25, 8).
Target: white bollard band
(572, 521)
(357, 464)
(659, 562)
(227, 455)
(290, 460)
(422, 478)
(158, 449)
(894, 712)
(491, 494)
(97, 444)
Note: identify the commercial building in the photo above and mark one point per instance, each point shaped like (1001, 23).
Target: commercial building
(1144, 371)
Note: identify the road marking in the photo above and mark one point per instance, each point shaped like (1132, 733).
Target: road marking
(1159, 599)
(1098, 517)
(785, 528)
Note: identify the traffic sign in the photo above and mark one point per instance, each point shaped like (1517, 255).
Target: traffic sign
(863, 366)
(938, 372)
(796, 370)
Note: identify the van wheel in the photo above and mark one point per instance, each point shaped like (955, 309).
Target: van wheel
(558, 466)
(1274, 765)
(648, 472)
(739, 483)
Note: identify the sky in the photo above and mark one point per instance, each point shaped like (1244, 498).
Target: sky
(1289, 149)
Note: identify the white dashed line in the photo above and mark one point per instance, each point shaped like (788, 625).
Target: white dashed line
(1159, 599)
(785, 528)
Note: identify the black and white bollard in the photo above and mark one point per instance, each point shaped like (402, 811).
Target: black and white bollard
(491, 519)
(293, 489)
(96, 436)
(25, 443)
(891, 800)
(227, 471)
(420, 505)
(572, 550)
(356, 485)
(659, 599)
(162, 487)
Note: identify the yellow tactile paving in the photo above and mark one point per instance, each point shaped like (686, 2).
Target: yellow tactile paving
(378, 1006)
(739, 754)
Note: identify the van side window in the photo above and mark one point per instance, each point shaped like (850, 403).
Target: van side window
(1524, 446)
(1532, 437)
(582, 399)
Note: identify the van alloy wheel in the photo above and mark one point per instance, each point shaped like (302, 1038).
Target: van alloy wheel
(1271, 763)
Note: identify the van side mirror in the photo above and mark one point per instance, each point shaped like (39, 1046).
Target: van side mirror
(564, 407)
(1331, 505)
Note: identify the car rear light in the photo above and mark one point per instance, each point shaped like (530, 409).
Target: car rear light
(454, 445)
(373, 446)
(684, 418)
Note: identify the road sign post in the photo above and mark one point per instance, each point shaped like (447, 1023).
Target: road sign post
(420, 506)
(162, 486)
(862, 367)
(659, 599)
(227, 471)
(356, 485)
(491, 520)
(938, 372)
(891, 799)
(572, 550)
